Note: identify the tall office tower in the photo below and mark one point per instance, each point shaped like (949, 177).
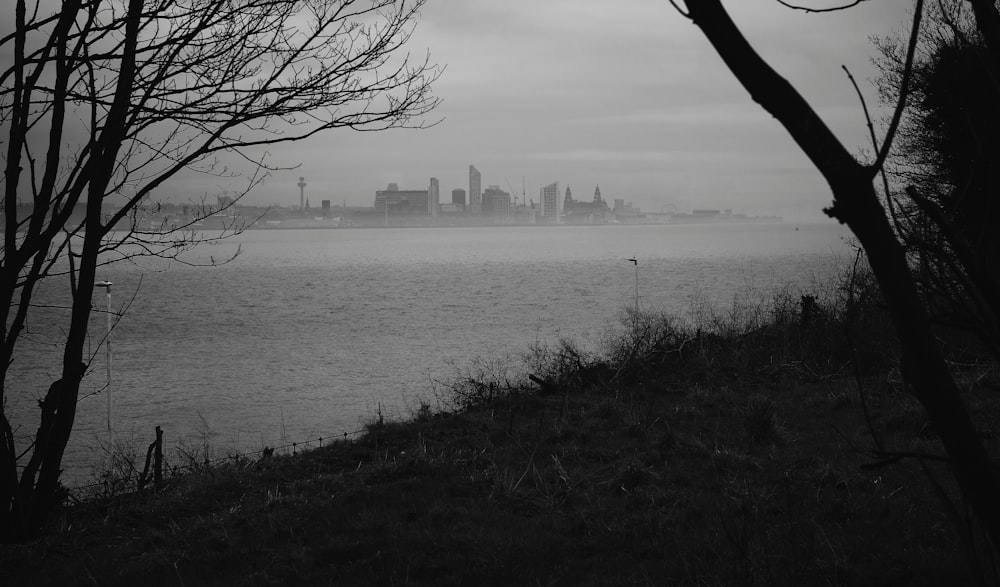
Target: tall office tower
(434, 197)
(458, 197)
(496, 204)
(475, 190)
(549, 199)
(503, 212)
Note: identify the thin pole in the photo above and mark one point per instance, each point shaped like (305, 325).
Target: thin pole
(107, 348)
(636, 286)
(635, 261)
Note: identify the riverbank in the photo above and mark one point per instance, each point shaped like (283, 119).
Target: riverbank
(306, 331)
(743, 454)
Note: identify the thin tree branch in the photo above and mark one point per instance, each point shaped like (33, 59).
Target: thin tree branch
(904, 90)
(819, 10)
(680, 10)
(875, 149)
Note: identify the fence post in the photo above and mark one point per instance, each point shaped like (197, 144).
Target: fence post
(158, 460)
(144, 476)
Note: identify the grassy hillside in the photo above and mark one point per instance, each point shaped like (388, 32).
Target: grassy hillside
(770, 446)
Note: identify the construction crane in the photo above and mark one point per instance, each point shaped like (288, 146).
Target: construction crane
(511, 188)
(524, 193)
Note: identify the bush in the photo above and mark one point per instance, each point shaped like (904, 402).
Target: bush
(645, 339)
(809, 335)
(565, 366)
(485, 380)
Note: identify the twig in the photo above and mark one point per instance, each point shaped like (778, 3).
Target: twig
(818, 10)
(875, 148)
(531, 461)
(854, 357)
(682, 12)
(904, 89)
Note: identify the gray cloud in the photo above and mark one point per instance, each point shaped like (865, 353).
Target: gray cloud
(628, 95)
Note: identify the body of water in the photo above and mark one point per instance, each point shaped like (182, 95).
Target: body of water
(308, 331)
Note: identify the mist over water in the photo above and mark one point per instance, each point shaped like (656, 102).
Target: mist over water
(307, 331)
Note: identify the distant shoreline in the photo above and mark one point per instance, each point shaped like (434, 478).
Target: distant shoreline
(295, 225)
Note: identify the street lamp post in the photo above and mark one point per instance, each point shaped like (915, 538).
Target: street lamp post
(636, 263)
(107, 347)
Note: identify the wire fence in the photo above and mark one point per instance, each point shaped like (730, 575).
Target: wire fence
(78, 492)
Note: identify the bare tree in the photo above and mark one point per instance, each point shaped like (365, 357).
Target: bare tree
(943, 166)
(857, 204)
(106, 100)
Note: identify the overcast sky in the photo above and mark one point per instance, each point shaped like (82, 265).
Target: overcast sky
(627, 94)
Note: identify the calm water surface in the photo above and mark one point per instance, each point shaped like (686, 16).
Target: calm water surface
(308, 331)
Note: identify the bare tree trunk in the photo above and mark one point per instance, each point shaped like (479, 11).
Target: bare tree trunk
(187, 94)
(9, 273)
(38, 497)
(856, 204)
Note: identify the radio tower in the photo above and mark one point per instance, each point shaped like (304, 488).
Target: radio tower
(302, 193)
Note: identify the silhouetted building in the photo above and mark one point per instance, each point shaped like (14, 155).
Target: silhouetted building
(497, 205)
(577, 212)
(434, 197)
(549, 201)
(395, 201)
(625, 211)
(458, 196)
(325, 206)
(475, 190)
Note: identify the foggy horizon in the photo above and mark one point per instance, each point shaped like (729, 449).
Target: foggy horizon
(587, 94)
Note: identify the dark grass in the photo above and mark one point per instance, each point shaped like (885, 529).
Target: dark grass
(735, 456)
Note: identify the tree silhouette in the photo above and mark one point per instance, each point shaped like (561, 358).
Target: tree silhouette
(944, 166)
(856, 203)
(106, 100)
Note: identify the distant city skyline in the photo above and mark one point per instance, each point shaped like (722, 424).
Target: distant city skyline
(476, 193)
(495, 203)
(590, 92)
